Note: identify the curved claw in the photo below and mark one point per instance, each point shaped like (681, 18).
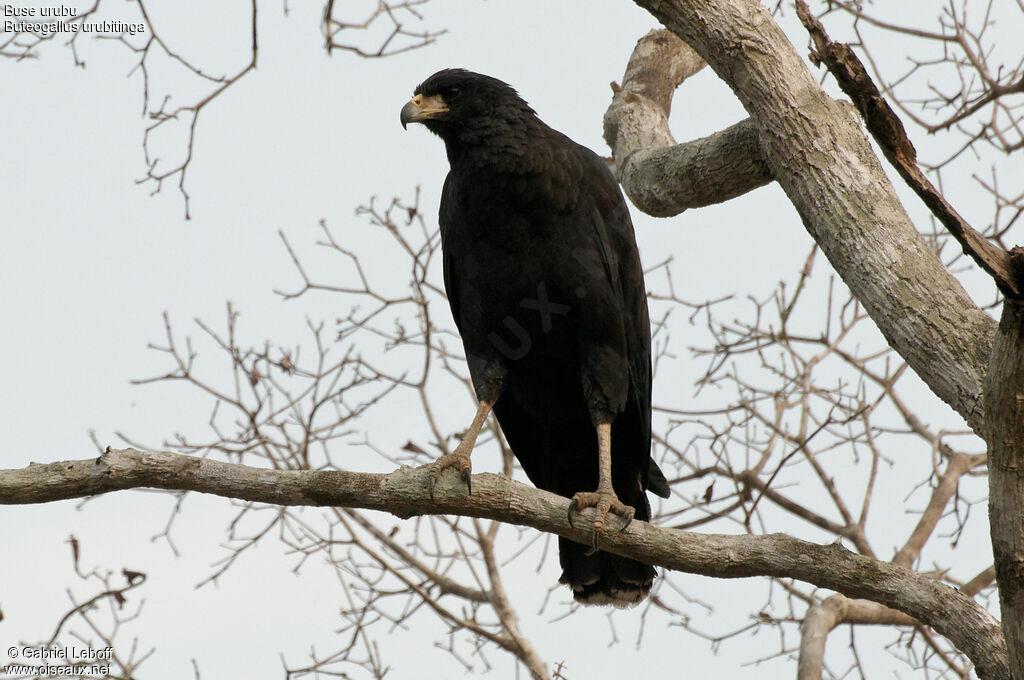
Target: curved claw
(572, 508)
(458, 460)
(629, 520)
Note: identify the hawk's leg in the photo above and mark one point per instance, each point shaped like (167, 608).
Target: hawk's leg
(459, 458)
(604, 499)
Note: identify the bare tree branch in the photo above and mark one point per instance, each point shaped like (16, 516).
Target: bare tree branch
(1004, 421)
(663, 178)
(385, 26)
(888, 131)
(383, 29)
(957, 467)
(404, 493)
(817, 152)
(973, 95)
(824, 616)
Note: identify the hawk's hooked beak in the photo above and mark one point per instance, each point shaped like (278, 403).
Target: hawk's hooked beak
(421, 108)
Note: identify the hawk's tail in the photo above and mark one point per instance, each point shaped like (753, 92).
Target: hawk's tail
(603, 578)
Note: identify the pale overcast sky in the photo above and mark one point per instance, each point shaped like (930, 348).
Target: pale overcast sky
(90, 261)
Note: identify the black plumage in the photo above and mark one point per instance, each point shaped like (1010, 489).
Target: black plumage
(544, 280)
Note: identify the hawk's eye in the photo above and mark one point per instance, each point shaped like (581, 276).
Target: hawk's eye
(452, 93)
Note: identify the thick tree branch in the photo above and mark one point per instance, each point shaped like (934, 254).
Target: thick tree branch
(506, 612)
(660, 177)
(824, 616)
(888, 131)
(983, 580)
(815, 148)
(959, 464)
(404, 493)
(1004, 424)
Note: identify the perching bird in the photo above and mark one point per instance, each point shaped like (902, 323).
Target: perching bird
(544, 281)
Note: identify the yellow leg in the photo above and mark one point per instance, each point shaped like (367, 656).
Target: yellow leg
(604, 499)
(459, 458)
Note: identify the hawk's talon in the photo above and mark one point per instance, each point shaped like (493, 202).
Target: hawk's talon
(604, 502)
(572, 509)
(629, 520)
(435, 474)
(458, 459)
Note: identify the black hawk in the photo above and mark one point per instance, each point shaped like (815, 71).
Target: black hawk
(544, 280)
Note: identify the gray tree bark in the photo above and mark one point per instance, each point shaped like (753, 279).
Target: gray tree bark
(404, 493)
(661, 177)
(816, 149)
(1004, 423)
(832, 611)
